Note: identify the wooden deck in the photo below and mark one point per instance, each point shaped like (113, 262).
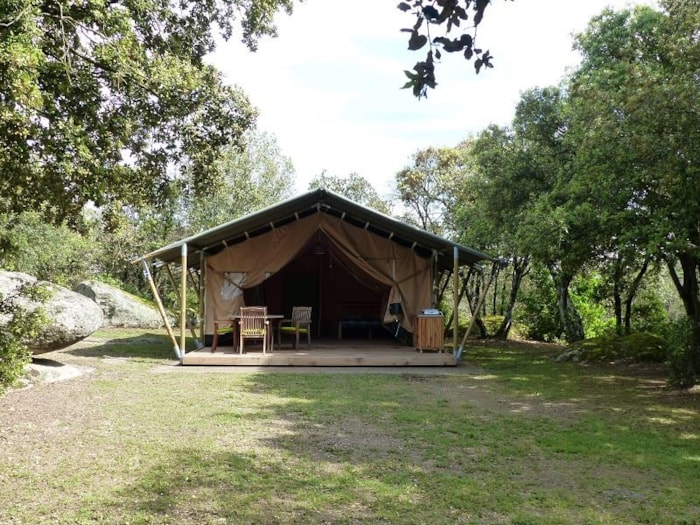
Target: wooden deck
(331, 353)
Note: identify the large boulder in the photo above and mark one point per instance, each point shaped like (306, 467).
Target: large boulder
(121, 309)
(71, 317)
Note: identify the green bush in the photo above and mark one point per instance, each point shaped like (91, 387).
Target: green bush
(49, 253)
(683, 373)
(639, 347)
(649, 313)
(21, 325)
(492, 323)
(536, 313)
(588, 294)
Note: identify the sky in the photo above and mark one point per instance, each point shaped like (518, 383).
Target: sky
(328, 88)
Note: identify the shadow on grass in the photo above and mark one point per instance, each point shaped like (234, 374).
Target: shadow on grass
(200, 486)
(536, 364)
(369, 448)
(125, 344)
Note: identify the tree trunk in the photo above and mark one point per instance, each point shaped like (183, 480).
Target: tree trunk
(494, 295)
(473, 300)
(521, 267)
(617, 296)
(503, 297)
(689, 294)
(632, 293)
(568, 315)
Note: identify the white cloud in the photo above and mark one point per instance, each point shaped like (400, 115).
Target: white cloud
(329, 86)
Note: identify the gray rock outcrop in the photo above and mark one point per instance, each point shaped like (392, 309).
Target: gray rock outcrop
(119, 308)
(71, 317)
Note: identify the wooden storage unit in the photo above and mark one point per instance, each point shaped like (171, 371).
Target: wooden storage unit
(428, 332)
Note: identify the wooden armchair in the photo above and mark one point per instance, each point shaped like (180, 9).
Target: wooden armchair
(253, 325)
(223, 327)
(299, 323)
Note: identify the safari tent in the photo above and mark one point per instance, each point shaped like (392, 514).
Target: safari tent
(360, 270)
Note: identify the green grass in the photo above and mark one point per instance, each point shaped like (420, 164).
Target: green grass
(526, 441)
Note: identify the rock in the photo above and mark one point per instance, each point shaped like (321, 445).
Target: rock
(121, 309)
(71, 316)
(569, 355)
(47, 371)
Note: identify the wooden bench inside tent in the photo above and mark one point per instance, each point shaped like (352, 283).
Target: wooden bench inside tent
(359, 317)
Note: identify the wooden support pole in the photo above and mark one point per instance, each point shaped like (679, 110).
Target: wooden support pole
(173, 283)
(202, 298)
(183, 296)
(161, 308)
(494, 269)
(456, 297)
(193, 282)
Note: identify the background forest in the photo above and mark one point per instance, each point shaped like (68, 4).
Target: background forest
(117, 139)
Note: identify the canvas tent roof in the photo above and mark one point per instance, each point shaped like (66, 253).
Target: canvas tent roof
(320, 200)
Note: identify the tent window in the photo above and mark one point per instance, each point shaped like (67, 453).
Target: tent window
(233, 285)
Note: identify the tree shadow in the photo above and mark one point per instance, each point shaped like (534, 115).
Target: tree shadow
(144, 346)
(328, 454)
(201, 486)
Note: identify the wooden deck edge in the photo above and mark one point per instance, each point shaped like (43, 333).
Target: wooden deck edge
(309, 359)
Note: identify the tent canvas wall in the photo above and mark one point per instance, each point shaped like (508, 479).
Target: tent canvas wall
(251, 258)
(406, 275)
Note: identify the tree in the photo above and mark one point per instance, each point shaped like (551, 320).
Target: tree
(447, 14)
(638, 95)
(490, 211)
(48, 252)
(428, 187)
(354, 187)
(552, 228)
(245, 181)
(105, 101)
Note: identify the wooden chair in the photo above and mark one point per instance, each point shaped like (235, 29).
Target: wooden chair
(298, 324)
(223, 327)
(253, 325)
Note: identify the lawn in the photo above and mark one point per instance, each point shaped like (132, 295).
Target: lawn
(509, 437)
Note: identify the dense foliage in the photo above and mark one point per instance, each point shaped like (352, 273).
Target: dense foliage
(429, 185)
(354, 187)
(595, 185)
(19, 325)
(104, 101)
(114, 128)
(48, 252)
(635, 99)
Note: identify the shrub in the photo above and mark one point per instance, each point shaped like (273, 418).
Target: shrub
(649, 313)
(536, 312)
(588, 295)
(49, 253)
(20, 326)
(683, 373)
(492, 323)
(644, 347)
(639, 347)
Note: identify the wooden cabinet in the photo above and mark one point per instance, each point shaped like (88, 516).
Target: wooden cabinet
(428, 332)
